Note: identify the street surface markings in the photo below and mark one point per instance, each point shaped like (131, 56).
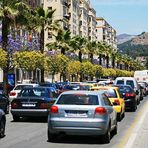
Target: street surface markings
(131, 133)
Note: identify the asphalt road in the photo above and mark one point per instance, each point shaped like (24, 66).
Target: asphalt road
(32, 133)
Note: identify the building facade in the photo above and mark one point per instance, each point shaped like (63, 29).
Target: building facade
(105, 32)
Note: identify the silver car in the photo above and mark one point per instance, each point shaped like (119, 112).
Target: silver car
(82, 113)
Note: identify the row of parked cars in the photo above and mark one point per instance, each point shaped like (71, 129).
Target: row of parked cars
(78, 108)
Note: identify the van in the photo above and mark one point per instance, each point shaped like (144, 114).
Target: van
(129, 81)
(141, 75)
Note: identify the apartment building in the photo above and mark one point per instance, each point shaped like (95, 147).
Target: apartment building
(105, 32)
(92, 24)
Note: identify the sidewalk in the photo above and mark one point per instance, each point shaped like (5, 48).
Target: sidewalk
(139, 136)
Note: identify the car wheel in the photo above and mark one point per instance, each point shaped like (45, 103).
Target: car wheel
(7, 109)
(2, 128)
(51, 137)
(115, 129)
(119, 116)
(106, 137)
(134, 107)
(123, 115)
(16, 118)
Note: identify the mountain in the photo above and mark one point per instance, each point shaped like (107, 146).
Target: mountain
(124, 38)
(136, 46)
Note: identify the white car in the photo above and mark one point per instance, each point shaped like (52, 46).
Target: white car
(14, 93)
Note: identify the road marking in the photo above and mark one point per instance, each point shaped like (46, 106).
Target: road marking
(132, 132)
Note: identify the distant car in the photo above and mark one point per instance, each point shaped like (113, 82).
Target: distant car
(129, 81)
(32, 101)
(16, 90)
(82, 113)
(4, 103)
(129, 96)
(2, 123)
(115, 98)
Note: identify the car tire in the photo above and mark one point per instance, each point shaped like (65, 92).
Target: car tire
(115, 130)
(7, 109)
(134, 107)
(16, 118)
(51, 137)
(2, 128)
(106, 138)
(119, 116)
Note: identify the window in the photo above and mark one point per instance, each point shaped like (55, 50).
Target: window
(120, 82)
(78, 99)
(106, 100)
(130, 82)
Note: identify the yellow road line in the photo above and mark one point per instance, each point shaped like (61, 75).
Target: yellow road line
(132, 127)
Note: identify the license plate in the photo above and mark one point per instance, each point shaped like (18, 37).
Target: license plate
(76, 113)
(28, 105)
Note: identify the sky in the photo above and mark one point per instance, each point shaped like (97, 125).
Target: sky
(125, 16)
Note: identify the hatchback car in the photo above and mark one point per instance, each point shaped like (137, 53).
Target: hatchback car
(2, 123)
(35, 101)
(82, 113)
(115, 98)
(4, 103)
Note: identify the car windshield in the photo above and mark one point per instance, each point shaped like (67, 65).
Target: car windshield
(20, 87)
(33, 92)
(75, 99)
(71, 87)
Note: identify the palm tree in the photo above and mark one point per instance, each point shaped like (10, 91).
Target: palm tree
(101, 51)
(91, 47)
(10, 15)
(78, 43)
(44, 19)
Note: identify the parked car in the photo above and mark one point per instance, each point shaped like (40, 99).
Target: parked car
(129, 96)
(2, 123)
(32, 101)
(115, 98)
(82, 113)
(4, 103)
(16, 90)
(129, 81)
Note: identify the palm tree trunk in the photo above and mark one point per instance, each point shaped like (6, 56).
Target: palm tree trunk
(42, 51)
(100, 59)
(5, 28)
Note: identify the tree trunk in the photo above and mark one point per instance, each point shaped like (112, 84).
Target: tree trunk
(100, 59)
(42, 51)
(5, 28)
(80, 56)
(91, 58)
(63, 51)
(107, 61)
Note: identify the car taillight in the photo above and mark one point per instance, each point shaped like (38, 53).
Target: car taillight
(130, 95)
(44, 105)
(100, 110)
(14, 105)
(54, 109)
(117, 101)
(12, 93)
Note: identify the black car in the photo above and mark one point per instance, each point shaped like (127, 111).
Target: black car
(31, 102)
(2, 123)
(4, 103)
(129, 96)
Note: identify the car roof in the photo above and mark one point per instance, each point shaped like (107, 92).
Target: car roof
(126, 78)
(83, 92)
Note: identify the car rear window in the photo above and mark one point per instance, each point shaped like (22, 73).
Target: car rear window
(74, 99)
(20, 87)
(120, 82)
(125, 89)
(112, 93)
(130, 82)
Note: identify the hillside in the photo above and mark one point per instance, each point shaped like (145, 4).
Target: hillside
(124, 38)
(137, 46)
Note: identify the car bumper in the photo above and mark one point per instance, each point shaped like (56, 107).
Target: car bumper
(77, 127)
(30, 112)
(117, 108)
(129, 103)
